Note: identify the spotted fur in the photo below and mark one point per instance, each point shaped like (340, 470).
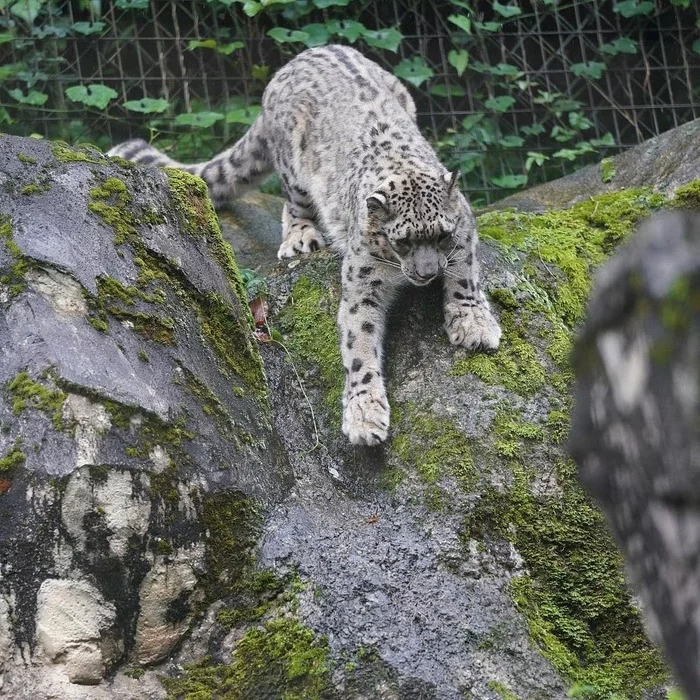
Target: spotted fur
(341, 133)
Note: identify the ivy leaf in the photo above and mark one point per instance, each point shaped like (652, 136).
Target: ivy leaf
(147, 105)
(131, 4)
(696, 46)
(464, 23)
(414, 71)
(228, 49)
(458, 60)
(388, 39)
(488, 26)
(323, 4)
(592, 69)
(533, 130)
(685, 4)
(287, 36)
(5, 117)
(534, 158)
(33, 98)
(606, 140)
(566, 154)
(448, 91)
(318, 35)
(193, 44)
(244, 115)
(94, 95)
(27, 10)
(87, 28)
(509, 182)
(632, 8)
(251, 8)
(199, 120)
(260, 72)
(6, 37)
(622, 45)
(346, 29)
(512, 141)
(579, 121)
(500, 104)
(506, 10)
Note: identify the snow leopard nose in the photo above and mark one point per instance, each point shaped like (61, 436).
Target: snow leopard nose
(426, 263)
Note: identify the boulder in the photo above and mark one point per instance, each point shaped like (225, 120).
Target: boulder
(635, 430)
(133, 399)
(195, 479)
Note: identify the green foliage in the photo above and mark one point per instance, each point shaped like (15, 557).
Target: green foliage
(488, 145)
(282, 659)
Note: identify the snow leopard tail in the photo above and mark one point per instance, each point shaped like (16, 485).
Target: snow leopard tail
(228, 174)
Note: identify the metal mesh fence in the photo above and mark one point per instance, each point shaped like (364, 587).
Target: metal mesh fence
(624, 76)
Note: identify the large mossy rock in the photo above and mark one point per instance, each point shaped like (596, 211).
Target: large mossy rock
(636, 431)
(155, 479)
(134, 411)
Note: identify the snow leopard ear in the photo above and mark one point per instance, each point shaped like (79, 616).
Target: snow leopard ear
(451, 180)
(377, 206)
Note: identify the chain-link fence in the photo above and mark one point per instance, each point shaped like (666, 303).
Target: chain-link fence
(512, 93)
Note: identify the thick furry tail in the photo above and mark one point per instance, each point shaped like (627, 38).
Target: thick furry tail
(228, 174)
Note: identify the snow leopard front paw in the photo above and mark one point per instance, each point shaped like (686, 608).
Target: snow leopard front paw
(366, 417)
(472, 327)
(301, 238)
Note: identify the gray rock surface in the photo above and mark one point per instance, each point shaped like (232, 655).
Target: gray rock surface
(636, 423)
(664, 163)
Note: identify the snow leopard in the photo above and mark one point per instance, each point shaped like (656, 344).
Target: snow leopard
(356, 172)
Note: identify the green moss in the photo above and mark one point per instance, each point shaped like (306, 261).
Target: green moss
(687, 197)
(64, 153)
(434, 446)
(142, 355)
(26, 392)
(24, 158)
(13, 459)
(607, 170)
(510, 432)
(225, 326)
(282, 659)
(515, 365)
(559, 251)
(232, 523)
(574, 598)
(311, 336)
(31, 189)
(502, 690)
(111, 202)
(504, 297)
(14, 277)
(221, 324)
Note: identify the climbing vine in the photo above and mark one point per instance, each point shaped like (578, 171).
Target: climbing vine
(496, 139)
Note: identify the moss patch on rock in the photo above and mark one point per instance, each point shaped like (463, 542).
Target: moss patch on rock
(14, 276)
(281, 659)
(26, 393)
(687, 197)
(434, 447)
(13, 459)
(228, 329)
(309, 324)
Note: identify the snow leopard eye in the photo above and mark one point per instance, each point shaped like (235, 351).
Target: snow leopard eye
(401, 245)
